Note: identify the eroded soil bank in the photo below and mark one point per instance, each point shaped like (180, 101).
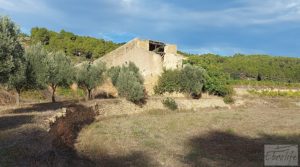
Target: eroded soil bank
(44, 138)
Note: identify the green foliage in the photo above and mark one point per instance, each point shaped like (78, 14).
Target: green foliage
(228, 99)
(90, 75)
(11, 52)
(17, 80)
(37, 69)
(12, 60)
(192, 79)
(136, 71)
(129, 82)
(217, 83)
(129, 86)
(113, 73)
(170, 104)
(255, 67)
(60, 71)
(188, 80)
(168, 82)
(73, 45)
(269, 84)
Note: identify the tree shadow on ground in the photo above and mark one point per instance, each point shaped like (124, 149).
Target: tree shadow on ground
(133, 159)
(10, 122)
(42, 107)
(228, 149)
(104, 95)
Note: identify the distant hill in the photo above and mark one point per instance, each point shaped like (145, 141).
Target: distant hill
(253, 67)
(77, 47)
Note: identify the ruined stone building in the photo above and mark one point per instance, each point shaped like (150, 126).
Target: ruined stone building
(151, 57)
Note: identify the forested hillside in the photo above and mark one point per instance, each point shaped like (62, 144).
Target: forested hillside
(75, 46)
(255, 67)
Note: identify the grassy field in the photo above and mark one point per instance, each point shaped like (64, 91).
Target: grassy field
(207, 137)
(212, 137)
(272, 93)
(269, 84)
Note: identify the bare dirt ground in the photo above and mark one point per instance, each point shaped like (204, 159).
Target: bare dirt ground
(133, 136)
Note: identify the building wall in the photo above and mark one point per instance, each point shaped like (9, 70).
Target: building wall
(143, 44)
(172, 61)
(172, 49)
(151, 65)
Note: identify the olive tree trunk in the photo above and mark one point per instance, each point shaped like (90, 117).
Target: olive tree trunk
(89, 94)
(18, 97)
(53, 93)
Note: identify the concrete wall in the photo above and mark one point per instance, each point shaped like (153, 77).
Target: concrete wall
(172, 61)
(150, 64)
(172, 49)
(143, 44)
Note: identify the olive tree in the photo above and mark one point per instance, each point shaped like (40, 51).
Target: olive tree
(32, 70)
(18, 79)
(113, 73)
(11, 51)
(37, 67)
(60, 71)
(90, 75)
(192, 80)
(12, 60)
(129, 86)
(129, 82)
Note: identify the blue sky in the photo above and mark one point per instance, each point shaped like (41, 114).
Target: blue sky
(223, 27)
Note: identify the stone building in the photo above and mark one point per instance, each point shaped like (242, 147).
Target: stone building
(150, 56)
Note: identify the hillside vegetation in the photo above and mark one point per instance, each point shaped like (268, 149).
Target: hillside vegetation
(75, 46)
(251, 67)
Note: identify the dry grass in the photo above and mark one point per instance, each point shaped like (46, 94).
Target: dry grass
(212, 137)
(208, 137)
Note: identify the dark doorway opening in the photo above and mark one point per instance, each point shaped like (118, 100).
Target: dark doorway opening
(157, 47)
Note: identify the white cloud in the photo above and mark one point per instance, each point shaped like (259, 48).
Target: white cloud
(254, 12)
(36, 7)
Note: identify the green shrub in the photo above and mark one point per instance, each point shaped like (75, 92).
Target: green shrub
(217, 83)
(129, 82)
(228, 99)
(188, 80)
(113, 73)
(169, 81)
(192, 80)
(129, 86)
(170, 104)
